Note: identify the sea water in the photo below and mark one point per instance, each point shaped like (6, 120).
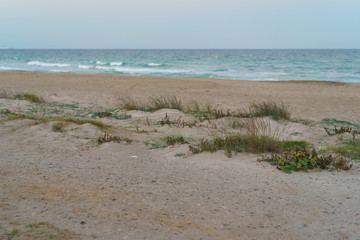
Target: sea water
(238, 64)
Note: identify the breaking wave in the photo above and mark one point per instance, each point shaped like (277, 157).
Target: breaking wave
(44, 64)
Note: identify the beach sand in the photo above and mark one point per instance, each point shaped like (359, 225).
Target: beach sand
(141, 190)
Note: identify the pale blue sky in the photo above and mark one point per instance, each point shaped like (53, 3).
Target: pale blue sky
(180, 23)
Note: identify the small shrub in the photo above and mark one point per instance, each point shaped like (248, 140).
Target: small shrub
(29, 97)
(298, 159)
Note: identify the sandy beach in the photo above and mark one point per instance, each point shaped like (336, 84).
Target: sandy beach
(67, 185)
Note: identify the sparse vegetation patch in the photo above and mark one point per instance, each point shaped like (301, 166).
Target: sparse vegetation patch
(29, 97)
(302, 159)
(108, 138)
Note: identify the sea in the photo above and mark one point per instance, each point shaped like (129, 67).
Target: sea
(338, 65)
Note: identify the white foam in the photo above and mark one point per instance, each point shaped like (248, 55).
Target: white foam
(7, 68)
(104, 68)
(58, 70)
(43, 64)
(85, 66)
(146, 70)
(116, 63)
(100, 63)
(154, 64)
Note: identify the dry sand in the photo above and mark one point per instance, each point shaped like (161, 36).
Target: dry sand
(130, 191)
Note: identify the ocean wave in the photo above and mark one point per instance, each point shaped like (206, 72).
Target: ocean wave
(58, 71)
(44, 64)
(8, 68)
(105, 68)
(147, 70)
(101, 63)
(116, 63)
(154, 64)
(85, 66)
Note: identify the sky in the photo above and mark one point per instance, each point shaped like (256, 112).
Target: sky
(129, 24)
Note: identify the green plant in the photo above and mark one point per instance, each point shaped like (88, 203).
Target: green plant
(294, 144)
(179, 155)
(333, 121)
(349, 148)
(302, 159)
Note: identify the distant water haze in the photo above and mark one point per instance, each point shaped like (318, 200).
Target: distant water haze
(319, 65)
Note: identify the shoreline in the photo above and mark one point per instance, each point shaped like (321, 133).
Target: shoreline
(153, 76)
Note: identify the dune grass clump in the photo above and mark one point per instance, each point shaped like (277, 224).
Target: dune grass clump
(153, 104)
(238, 143)
(302, 159)
(264, 109)
(161, 102)
(172, 140)
(29, 97)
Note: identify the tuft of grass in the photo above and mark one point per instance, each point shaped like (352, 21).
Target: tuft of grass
(291, 145)
(350, 148)
(161, 102)
(302, 159)
(153, 103)
(257, 135)
(238, 143)
(264, 109)
(58, 127)
(29, 97)
(172, 140)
